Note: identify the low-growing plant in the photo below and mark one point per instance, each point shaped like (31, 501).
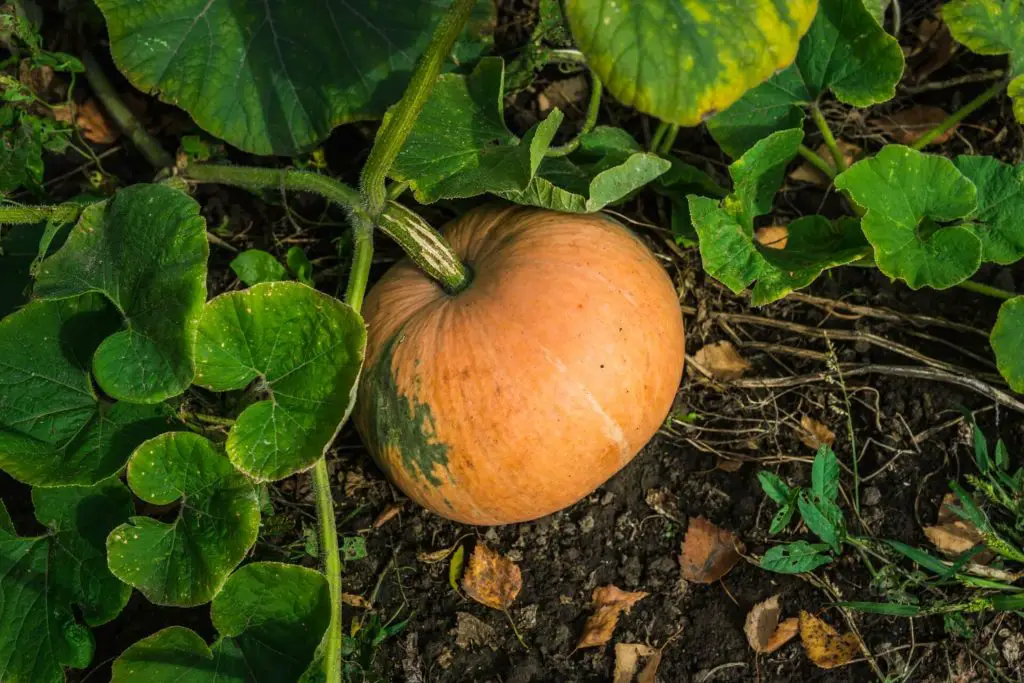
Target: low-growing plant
(108, 344)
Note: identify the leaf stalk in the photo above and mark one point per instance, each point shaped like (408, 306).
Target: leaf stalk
(959, 115)
(828, 137)
(593, 109)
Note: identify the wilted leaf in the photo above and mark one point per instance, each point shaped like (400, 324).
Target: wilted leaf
(491, 579)
(608, 602)
(708, 552)
(627, 657)
(907, 126)
(814, 434)
(823, 644)
(722, 360)
(763, 630)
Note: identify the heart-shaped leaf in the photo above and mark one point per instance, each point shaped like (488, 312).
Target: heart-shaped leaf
(276, 77)
(54, 430)
(1000, 212)
(992, 27)
(1008, 342)
(146, 251)
(907, 195)
(460, 146)
(270, 618)
(184, 563)
(608, 166)
(45, 579)
(845, 51)
(683, 61)
(305, 349)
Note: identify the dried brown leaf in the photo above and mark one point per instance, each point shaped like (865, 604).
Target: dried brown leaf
(764, 632)
(356, 601)
(954, 536)
(814, 434)
(823, 644)
(492, 579)
(772, 236)
(649, 674)
(608, 603)
(566, 94)
(389, 513)
(708, 552)
(934, 48)
(94, 125)
(436, 555)
(907, 126)
(721, 360)
(627, 657)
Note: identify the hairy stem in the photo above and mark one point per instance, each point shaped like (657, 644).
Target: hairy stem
(332, 567)
(987, 290)
(147, 145)
(593, 109)
(13, 214)
(959, 115)
(828, 137)
(418, 239)
(815, 160)
(400, 119)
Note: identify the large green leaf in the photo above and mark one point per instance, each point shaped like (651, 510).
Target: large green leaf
(45, 579)
(18, 246)
(680, 181)
(146, 251)
(460, 146)
(21, 157)
(845, 51)
(992, 27)
(684, 60)
(1000, 212)
(907, 195)
(54, 430)
(270, 618)
(607, 168)
(186, 562)
(274, 77)
(254, 266)
(305, 349)
(1008, 342)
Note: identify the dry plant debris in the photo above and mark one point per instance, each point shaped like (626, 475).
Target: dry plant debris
(708, 552)
(823, 644)
(608, 603)
(721, 360)
(954, 536)
(764, 631)
(905, 127)
(627, 658)
(492, 579)
(814, 434)
(389, 513)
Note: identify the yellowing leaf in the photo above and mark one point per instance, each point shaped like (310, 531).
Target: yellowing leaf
(763, 630)
(823, 644)
(721, 360)
(814, 434)
(455, 567)
(491, 579)
(708, 552)
(608, 602)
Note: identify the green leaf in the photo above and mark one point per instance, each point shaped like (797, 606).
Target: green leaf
(887, 608)
(21, 158)
(846, 51)
(825, 475)
(460, 146)
(776, 489)
(1000, 212)
(992, 27)
(6, 524)
(907, 195)
(1007, 339)
(353, 548)
(782, 518)
(300, 264)
(677, 183)
(824, 519)
(186, 562)
(255, 266)
(981, 449)
(146, 251)
(795, 558)
(45, 580)
(455, 568)
(877, 9)
(276, 77)
(270, 618)
(758, 175)
(18, 246)
(305, 349)
(683, 60)
(920, 557)
(54, 430)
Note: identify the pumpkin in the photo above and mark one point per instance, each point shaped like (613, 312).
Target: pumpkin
(530, 388)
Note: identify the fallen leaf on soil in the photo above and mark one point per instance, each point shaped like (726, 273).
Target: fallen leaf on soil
(436, 555)
(952, 535)
(772, 236)
(907, 126)
(473, 632)
(814, 434)
(455, 568)
(389, 513)
(708, 552)
(649, 674)
(627, 657)
(934, 48)
(807, 173)
(727, 465)
(764, 632)
(491, 579)
(608, 602)
(721, 360)
(356, 601)
(662, 502)
(823, 644)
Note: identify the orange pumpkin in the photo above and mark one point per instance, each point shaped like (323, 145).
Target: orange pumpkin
(530, 388)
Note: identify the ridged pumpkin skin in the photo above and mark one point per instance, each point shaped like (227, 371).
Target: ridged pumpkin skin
(522, 394)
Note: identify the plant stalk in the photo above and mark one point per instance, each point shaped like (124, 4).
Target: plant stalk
(332, 567)
(400, 118)
(665, 148)
(593, 109)
(816, 161)
(987, 290)
(828, 137)
(413, 234)
(154, 153)
(13, 214)
(959, 115)
(659, 135)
